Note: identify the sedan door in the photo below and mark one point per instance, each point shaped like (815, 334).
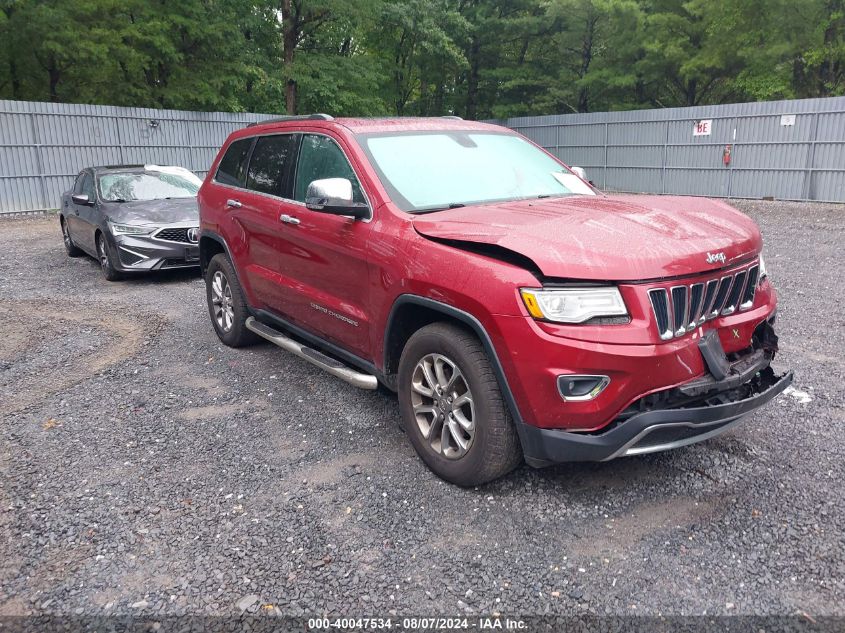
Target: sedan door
(78, 215)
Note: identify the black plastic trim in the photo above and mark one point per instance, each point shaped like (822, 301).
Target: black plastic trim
(543, 447)
(486, 342)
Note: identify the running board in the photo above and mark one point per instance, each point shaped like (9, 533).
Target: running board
(330, 365)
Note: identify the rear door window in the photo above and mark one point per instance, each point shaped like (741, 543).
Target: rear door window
(320, 157)
(269, 164)
(232, 168)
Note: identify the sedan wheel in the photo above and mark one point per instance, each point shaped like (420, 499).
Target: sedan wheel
(109, 271)
(221, 300)
(443, 405)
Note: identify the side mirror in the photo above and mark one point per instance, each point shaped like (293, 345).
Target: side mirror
(82, 199)
(334, 195)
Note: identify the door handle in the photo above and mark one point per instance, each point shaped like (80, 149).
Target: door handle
(288, 219)
(234, 204)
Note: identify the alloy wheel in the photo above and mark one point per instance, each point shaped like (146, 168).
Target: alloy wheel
(103, 253)
(66, 236)
(443, 406)
(221, 300)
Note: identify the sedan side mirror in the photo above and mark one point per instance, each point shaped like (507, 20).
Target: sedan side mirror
(334, 195)
(580, 172)
(82, 198)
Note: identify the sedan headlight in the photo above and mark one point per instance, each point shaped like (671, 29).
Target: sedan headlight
(128, 229)
(573, 305)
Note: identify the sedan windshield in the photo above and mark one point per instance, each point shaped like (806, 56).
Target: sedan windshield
(433, 171)
(148, 185)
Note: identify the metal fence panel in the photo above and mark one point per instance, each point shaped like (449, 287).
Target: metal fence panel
(792, 150)
(44, 145)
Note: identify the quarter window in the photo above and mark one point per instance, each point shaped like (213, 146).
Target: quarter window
(320, 157)
(232, 169)
(268, 164)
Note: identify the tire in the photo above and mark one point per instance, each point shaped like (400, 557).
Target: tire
(483, 450)
(70, 247)
(227, 305)
(106, 257)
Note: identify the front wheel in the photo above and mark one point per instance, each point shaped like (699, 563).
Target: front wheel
(227, 305)
(452, 407)
(106, 264)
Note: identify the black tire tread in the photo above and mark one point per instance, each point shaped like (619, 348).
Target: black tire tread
(239, 335)
(504, 451)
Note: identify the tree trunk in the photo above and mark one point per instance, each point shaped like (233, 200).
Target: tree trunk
(55, 75)
(290, 37)
(471, 112)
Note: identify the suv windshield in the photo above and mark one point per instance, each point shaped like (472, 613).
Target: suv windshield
(148, 185)
(425, 171)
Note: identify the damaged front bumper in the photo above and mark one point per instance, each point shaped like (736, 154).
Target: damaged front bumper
(662, 428)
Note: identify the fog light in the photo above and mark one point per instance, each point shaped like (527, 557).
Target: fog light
(577, 388)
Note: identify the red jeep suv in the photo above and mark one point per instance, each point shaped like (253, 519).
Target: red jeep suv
(518, 312)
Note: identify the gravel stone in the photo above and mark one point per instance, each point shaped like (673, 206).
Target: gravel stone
(146, 467)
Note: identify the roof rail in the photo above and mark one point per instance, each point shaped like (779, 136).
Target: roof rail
(295, 117)
(452, 116)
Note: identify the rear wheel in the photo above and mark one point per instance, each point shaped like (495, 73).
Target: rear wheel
(226, 303)
(106, 262)
(70, 247)
(452, 407)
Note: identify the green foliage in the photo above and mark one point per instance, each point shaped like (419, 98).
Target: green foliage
(475, 58)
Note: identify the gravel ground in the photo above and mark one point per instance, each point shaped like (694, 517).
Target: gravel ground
(147, 469)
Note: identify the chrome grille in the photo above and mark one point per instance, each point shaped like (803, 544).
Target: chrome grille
(681, 309)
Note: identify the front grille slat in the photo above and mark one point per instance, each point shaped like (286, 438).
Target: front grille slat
(721, 297)
(696, 294)
(681, 309)
(736, 291)
(750, 288)
(660, 305)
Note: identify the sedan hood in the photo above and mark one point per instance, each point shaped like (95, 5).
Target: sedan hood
(605, 238)
(155, 212)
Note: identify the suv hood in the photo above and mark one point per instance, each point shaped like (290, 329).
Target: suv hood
(605, 238)
(157, 212)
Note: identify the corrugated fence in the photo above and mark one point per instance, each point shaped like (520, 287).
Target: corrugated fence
(790, 150)
(44, 145)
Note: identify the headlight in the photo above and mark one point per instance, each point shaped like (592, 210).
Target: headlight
(763, 274)
(128, 229)
(573, 305)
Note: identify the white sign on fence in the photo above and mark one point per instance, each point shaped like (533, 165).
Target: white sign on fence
(702, 128)
(787, 119)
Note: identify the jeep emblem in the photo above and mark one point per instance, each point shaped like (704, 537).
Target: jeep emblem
(712, 258)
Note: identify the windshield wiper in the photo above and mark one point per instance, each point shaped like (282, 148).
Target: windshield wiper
(451, 205)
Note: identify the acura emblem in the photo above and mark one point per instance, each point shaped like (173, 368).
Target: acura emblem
(193, 235)
(712, 258)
